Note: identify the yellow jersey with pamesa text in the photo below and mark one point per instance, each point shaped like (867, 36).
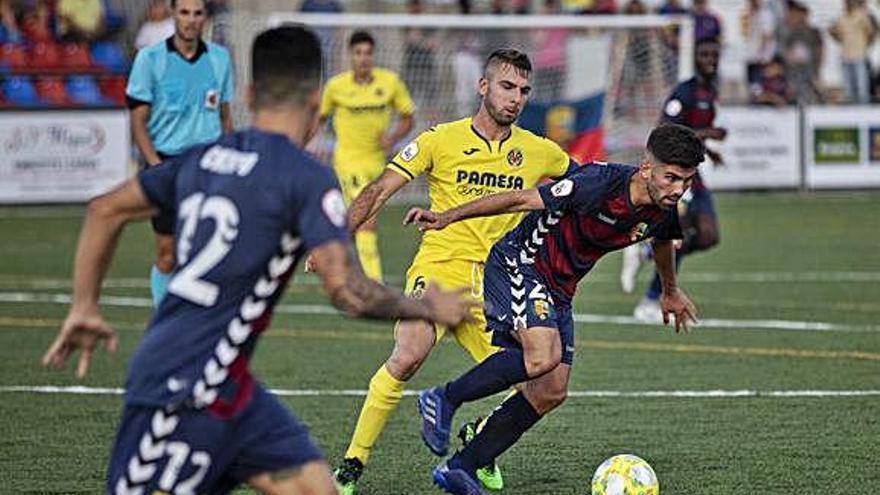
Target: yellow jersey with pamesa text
(462, 166)
(362, 113)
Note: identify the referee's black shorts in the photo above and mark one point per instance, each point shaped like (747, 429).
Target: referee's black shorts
(163, 223)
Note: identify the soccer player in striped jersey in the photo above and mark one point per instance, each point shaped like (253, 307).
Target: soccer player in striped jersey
(247, 206)
(530, 280)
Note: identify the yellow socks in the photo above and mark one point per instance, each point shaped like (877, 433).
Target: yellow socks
(368, 252)
(382, 399)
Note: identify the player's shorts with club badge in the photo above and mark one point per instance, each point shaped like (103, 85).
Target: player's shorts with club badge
(516, 299)
(450, 275)
(195, 451)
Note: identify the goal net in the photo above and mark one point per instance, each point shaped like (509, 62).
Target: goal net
(598, 81)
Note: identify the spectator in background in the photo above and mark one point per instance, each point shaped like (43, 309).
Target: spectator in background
(419, 68)
(38, 22)
(9, 31)
(158, 25)
(549, 58)
(80, 20)
(772, 86)
(671, 7)
(758, 27)
(802, 49)
(603, 7)
(855, 30)
(326, 6)
(707, 25)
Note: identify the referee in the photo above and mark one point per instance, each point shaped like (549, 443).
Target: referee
(178, 93)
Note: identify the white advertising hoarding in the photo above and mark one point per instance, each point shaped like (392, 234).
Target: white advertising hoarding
(61, 156)
(842, 146)
(761, 151)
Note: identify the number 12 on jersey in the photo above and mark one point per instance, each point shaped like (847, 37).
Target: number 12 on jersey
(189, 283)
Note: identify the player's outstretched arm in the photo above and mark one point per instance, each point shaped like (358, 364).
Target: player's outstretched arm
(495, 204)
(351, 291)
(672, 299)
(368, 203)
(84, 327)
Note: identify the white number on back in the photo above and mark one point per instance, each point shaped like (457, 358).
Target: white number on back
(188, 282)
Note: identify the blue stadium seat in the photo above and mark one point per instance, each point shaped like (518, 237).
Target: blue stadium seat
(83, 90)
(20, 91)
(108, 55)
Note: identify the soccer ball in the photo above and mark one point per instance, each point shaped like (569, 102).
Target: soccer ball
(625, 474)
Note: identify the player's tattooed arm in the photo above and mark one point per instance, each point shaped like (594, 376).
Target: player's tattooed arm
(353, 292)
(495, 204)
(672, 299)
(368, 203)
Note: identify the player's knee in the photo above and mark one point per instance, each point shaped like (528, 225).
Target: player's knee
(538, 364)
(404, 363)
(165, 262)
(548, 397)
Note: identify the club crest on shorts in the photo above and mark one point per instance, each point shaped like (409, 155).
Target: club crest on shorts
(515, 158)
(638, 232)
(542, 309)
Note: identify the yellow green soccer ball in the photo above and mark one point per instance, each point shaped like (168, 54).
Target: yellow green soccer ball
(625, 474)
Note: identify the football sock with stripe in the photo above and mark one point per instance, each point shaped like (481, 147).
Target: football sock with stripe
(158, 283)
(368, 252)
(383, 396)
(495, 374)
(502, 429)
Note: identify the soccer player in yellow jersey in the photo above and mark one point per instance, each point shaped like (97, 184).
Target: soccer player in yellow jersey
(463, 160)
(361, 102)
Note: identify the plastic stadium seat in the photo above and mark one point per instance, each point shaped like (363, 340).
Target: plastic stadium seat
(45, 56)
(75, 57)
(52, 91)
(113, 88)
(109, 55)
(13, 57)
(20, 91)
(84, 91)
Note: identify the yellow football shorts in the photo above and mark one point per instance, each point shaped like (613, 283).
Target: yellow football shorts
(449, 275)
(353, 180)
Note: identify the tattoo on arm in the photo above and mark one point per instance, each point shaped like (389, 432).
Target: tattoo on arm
(351, 291)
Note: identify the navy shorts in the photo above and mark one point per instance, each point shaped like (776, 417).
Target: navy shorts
(698, 200)
(194, 451)
(515, 299)
(164, 222)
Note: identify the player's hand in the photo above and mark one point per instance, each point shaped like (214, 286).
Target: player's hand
(716, 157)
(715, 133)
(81, 331)
(677, 303)
(449, 307)
(428, 219)
(387, 143)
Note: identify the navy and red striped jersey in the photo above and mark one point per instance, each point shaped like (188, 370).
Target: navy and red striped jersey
(691, 105)
(248, 207)
(587, 214)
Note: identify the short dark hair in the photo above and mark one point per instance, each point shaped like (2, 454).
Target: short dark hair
(676, 144)
(174, 4)
(361, 37)
(285, 65)
(512, 56)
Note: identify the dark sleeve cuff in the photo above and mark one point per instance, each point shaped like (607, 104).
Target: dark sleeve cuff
(134, 102)
(402, 170)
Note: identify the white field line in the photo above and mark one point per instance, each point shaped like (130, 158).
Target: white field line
(321, 309)
(686, 394)
(26, 282)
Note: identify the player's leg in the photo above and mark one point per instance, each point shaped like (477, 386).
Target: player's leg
(163, 225)
(413, 341)
(312, 478)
